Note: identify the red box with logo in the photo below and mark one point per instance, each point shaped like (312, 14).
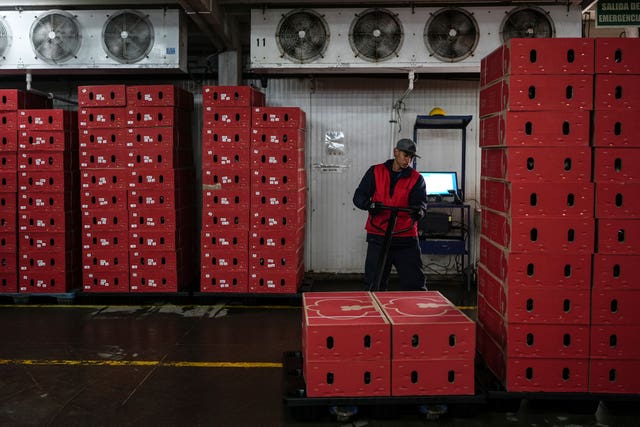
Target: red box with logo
(102, 118)
(265, 179)
(425, 325)
(157, 218)
(574, 200)
(286, 117)
(616, 92)
(537, 164)
(47, 160)
(225, 160)
(159, 156)
(265, 159)
(48, 281)
(229, 179)
(225, 138)
(105, 259)
(535, 270)
(102, 140)
(225, 219)
(615, 55)
(223, 280)
(103, 239)
(615, 271)
(280, 281)
(58, 140)
(47, 119)
(154, 280)
(539, 234)
(267, 199)
(223, 116)
(229, 196)
(618, 236)
(105, 179)
(47, 181)
(225, 259)
(344, 326)
(111, 199)
(165, 240)
(98, 220)
(105, 281)
(277, 240)
(275, 218)
(37, 260)
(46, 221)
(159, 95)
(614, 376)
(102, 96)
(146, 116)
(103, 158)
(171, 136)
(284, 139)
(444, 377)
(267, 260)
(38, 202)
(161, 179)
(234, 239)
(232, 96)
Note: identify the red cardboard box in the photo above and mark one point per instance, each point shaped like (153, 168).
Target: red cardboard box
(232, 96)
(616, 92)
(615, 271)
(618, 236)
(223, 281)
(102, 96)
(615, 342)
(616, 165)
(425, 325)
(286, 139)
(335, 378)
(160, 96)
(279, 117)
(47, 140)
(614, 376)
(616, 129)
(615, 55)
(615, 307)
(415, 377)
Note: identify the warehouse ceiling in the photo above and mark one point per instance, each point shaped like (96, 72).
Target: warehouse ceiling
(223, 25)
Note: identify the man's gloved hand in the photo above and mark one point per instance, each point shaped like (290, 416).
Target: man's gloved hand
(417, 214)
(374, 208)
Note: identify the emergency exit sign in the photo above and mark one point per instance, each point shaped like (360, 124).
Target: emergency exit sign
(618, 13)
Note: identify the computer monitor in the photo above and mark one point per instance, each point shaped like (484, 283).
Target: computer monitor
(439, 183)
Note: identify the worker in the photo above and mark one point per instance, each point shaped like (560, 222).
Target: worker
(394, 183)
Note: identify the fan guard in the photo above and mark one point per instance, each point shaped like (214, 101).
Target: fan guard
(55, 37)
(302, 36)
(526, 22)
(127, 36)
(5, 38)
(376, 35)
(451, 34)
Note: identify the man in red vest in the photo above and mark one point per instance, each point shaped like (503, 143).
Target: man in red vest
(394, 183)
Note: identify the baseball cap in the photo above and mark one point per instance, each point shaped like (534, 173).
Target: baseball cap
(408, 146)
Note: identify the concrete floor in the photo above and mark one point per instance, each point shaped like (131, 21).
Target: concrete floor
(179, 363)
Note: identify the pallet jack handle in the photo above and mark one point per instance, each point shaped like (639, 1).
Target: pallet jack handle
(386, 243)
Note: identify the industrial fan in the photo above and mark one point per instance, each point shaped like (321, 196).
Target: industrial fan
(127, 36)
(451, 34)
(55, 37)
(376, 35)
(302, 36)
(526, 22)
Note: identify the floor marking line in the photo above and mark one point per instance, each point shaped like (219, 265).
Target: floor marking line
(156, 363)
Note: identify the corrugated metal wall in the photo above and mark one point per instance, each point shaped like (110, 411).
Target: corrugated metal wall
(361, 108)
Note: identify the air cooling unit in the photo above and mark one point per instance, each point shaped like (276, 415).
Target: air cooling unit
(92, 40)
(446, 39)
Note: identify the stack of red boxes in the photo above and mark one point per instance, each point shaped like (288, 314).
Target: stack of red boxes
(48, 202)
(278, 200)
(161, 197)
(386, 344)
(104, 180)
(346, 345)
(137, 182)
(537, 232)
(226, 168)
(433, 345)
(615, 318)
(10, 101)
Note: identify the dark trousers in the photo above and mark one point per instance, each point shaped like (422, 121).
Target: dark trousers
(404, 254)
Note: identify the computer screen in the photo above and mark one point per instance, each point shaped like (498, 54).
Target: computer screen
(439, 183)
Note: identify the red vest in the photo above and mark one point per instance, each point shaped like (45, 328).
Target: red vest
(378, 224)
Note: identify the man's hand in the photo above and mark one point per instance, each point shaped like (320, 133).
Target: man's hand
(374, 208)
(417, 214)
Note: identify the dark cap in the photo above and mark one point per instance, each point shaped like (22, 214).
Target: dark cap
(408, 146)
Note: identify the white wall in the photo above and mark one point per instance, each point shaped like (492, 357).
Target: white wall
(361, 108)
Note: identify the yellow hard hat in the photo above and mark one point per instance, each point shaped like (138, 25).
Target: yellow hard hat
(437, 111)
